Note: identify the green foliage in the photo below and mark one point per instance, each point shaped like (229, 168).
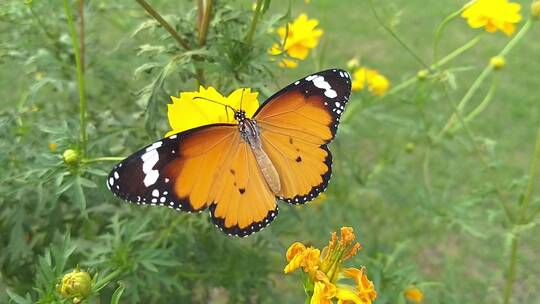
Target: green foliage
(438, 208)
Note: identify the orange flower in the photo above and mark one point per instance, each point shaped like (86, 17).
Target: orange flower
(324, 270)
(414, 294)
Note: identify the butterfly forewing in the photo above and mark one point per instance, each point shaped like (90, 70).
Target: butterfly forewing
(296, 124)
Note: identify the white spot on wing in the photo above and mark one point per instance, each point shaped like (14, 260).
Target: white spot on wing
(154, 146)
(150, 159)
(320, 83)
(155, 193)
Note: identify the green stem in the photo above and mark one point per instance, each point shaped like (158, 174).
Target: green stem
(511, 274)
(164, 23)
(83, 137)
(395, 36)
(440, 30)
(479, 109)
(533, 175)
(407, 83)
(102, 159)
(254, 21)
(502, 197)
(205, 10)
(485, 73)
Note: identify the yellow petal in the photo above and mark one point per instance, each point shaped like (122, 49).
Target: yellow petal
(295, 249)
(208, 106)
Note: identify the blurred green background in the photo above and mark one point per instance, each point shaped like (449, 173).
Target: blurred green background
(434, 224)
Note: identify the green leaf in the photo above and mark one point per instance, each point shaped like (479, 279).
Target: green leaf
(117, 293)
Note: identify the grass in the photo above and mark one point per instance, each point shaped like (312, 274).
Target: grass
(443, 231)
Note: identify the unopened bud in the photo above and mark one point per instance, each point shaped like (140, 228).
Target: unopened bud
(497, 62)
(76, 285)
(71, 157)
(422, 74)
(353, 64)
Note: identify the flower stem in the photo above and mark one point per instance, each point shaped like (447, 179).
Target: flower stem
(205, 9)
(83, 137)
(102, 159)
(395, 36)
(533, 174)
(484, 74)
(502, 197)
(351, 112)
(440, 30)
(164, 23)
(254, 21)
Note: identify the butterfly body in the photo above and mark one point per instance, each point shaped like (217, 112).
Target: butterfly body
(251, 135)
(238, 170)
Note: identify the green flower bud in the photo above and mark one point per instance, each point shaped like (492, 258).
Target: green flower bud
(71, 157)
(353, 64)
(422, 74)
(409, 147)
(497, 62)
(76, 285)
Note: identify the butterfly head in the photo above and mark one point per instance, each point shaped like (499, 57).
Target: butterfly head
(240, 115)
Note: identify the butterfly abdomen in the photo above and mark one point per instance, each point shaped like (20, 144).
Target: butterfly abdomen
(250, 133)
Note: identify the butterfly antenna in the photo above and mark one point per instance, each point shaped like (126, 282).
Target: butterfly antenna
(219, 103)
(242, 98)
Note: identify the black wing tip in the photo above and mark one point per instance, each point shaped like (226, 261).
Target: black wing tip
(315, 190)
(242, 232)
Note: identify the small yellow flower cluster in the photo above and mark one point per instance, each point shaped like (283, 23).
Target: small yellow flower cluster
(300, 36)
(376, 83)
(493, 15)
(208, 106)
(325, 268)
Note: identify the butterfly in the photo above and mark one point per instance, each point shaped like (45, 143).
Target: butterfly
(236, 171)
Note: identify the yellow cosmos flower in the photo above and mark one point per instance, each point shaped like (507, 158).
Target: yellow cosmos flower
(300, 36)
(535, 9)
(376, 83)
(208, 106)
(493, 15)
(414, 294)
(324, 269)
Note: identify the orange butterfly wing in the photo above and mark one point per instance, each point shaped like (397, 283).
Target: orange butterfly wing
(213, 167)
(296, 124)
(209, 166)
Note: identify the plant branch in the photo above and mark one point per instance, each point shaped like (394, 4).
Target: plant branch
(484, 74)
(502, 197)
(83, 137)
(395, 36)
(164, 23)
(81, 33)
(254, 21)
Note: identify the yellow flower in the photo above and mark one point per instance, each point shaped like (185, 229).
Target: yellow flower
(76, 285)
(497, 62)
(376, 83)
(535, 8)
(364, 287)
(324, 290)
(306, 258)
(208, 106)
(493, 15)
(300, 36)
(325, 268)
(414, 294)
(53, 147)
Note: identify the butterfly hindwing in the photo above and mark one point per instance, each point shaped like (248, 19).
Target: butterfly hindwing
(296, 125)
